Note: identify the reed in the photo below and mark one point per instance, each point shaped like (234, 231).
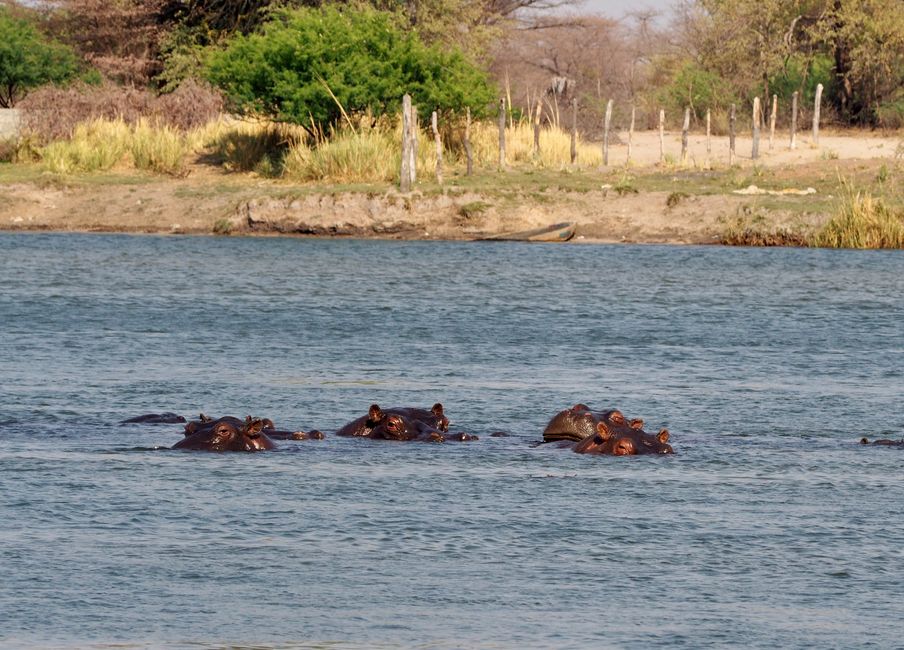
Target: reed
(95, 146)
(555, 146)
(348, 156)
(862, 221)
(160, 149)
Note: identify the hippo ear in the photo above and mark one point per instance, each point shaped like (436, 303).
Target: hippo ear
(636, 424)
(375, 414)
(268, 423)
(253, 428)
(437, 410)
(603, 431)
(616, 417)
(663, 436)
(206, 418)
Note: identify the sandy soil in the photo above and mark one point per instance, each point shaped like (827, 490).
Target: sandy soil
(208, 200)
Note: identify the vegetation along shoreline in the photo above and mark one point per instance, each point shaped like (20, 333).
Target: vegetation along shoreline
(354, 121)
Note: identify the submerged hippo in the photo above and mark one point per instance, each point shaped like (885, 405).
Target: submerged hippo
(205, 422)
(155, 418)
(227, 434)
(604, 432)
(883, 441)
(403, 423)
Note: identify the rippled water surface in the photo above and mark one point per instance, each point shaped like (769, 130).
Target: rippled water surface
(771, 527)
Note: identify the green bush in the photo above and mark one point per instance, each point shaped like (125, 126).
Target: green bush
(308, 65)
(28, 60)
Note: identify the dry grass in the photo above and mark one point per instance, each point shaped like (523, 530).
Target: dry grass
(862, 221)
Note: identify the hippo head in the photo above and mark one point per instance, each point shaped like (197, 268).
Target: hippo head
(397, 425)
(631, 441)
(228, 434)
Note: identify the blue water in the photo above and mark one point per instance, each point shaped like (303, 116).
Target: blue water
(770, 527)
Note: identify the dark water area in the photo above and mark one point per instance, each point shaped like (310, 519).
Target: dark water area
(770, 527)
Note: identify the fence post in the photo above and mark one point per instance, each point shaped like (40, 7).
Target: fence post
(794, 121)
(684, 129)
(661, 136)
(439, 149)
(607, 123)
(574, 129)
(709, 147)
(755, 149)
(415, 127)
(468, 156)
(502, 133)
(537, 129)
(731, 135)
(405, 172)
(630, 134)
(816, 105)
(772, 120)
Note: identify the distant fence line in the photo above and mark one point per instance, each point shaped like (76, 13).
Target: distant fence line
(757, 122)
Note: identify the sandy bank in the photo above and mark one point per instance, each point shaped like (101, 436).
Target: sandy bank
(643, 202)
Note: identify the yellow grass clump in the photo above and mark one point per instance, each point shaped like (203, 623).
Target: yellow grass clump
(94, 146)
(862, 221)
(555, 146)
(159, 149)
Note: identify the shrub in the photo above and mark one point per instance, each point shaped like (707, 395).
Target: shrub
(28, 60)
(309, 66)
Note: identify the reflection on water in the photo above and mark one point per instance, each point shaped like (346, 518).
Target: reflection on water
(770, 527)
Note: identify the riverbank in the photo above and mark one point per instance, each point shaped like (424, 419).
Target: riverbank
(785, 192)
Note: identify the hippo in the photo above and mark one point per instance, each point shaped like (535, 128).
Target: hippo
(403, 423)
(883, 441)
(228, 434)
(604, 432)
(155, 418)
(205, 422)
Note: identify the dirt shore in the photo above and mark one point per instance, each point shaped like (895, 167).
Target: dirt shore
(640, 202)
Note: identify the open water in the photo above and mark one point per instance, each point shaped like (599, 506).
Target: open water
(770, 527)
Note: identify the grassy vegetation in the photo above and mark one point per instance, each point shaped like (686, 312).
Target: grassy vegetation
(865, 199)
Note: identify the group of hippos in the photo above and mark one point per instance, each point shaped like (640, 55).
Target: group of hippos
(582, 429)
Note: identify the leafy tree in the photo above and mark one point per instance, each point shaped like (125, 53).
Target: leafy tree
(28, 60)
(308, 65)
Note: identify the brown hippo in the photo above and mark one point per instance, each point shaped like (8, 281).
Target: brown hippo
(205, 422)
(604, 432)
(155, 418)
(228, 434)
(403, 423)
(883, 441)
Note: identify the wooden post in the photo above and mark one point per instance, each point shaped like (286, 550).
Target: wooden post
(631, 133)
(468, 156)
(794, 121)
(772, 120)
(439, 149)
(502, 133)
(684, 129)
(661, 136)
(816, 106)
(415, 127)
(537, 129)
(574, 129)
(731, 135)
(405, 172)
(709, 147)
(755, 150)
(607, 123)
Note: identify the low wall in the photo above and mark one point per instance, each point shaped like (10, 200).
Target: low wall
(9, 122)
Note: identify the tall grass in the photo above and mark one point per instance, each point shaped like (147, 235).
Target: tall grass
(95, 146)
(366, 150)
(862, 221)
(159, 149)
